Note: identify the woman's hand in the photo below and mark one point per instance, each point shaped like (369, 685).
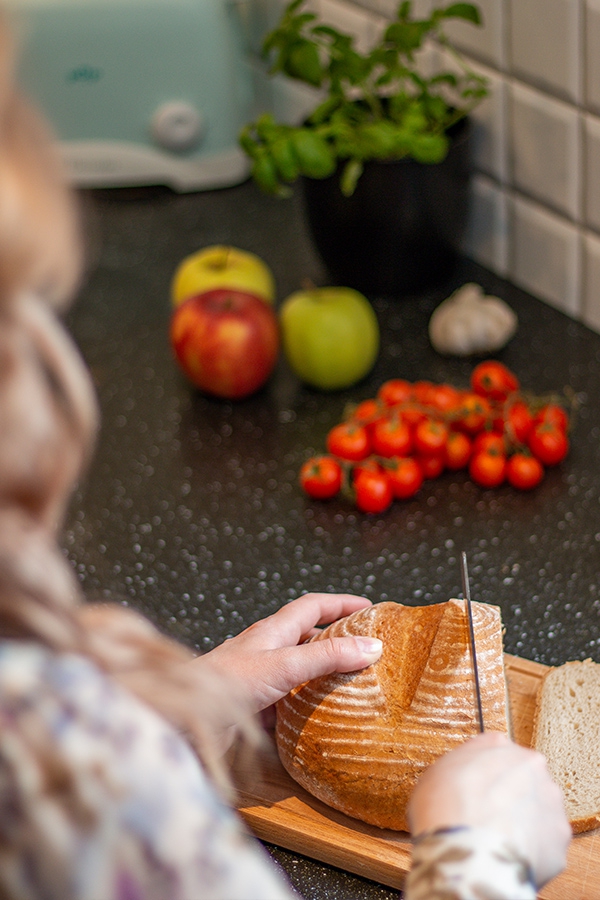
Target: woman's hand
(492, 782)
(271, 657)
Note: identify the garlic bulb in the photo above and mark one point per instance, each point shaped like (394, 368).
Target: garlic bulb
(470, 323)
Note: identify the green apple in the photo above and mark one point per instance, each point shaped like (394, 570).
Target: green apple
(330, 336)
(221, 266)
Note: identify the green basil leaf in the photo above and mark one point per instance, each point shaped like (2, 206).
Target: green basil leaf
(303, 63)
(293, 6)
(300, 21)
(429, 148)
(264, 173)
(406, 36)
(326, 31)
(352, 172)
(477, 93)
(435, 108)
(269, 43)
(350, 66)
(285, 160)
(324, 111)
(247, 142)
(377, 139)
(404, 10)
(266, 126)
(462, 11)
(444, 78)
(415, 119)
(314, 155)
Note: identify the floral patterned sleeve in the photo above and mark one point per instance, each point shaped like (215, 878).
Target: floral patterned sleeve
(467, 864)
(100, 799)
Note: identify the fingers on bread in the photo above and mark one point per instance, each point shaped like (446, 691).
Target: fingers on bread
(359, 741)
(567, 731)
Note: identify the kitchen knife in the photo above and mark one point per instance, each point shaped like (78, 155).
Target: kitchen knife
(467, 599)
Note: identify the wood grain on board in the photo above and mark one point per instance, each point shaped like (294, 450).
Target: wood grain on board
(280, 812)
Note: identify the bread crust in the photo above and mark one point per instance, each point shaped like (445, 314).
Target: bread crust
(359, 741)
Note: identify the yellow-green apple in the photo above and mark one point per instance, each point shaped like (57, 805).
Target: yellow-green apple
(220, 266)
(226, 342)
(330, 336)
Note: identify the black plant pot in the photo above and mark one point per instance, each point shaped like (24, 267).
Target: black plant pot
(400, 232)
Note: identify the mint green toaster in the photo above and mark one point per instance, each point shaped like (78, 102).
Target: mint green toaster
(140, 91)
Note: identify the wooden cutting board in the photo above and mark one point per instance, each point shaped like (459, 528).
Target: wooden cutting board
(280, 812)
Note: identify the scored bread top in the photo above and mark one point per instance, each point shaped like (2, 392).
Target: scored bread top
(359, 741)
(567, 731)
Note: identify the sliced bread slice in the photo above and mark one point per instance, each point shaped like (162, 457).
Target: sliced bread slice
(567, 731)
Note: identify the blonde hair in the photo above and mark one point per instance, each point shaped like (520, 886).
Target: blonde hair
(39, 223)
(48, 421)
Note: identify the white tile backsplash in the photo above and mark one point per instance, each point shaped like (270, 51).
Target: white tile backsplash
(591, 288)
(592, 172)
(487, 234)
(544, 44)
(591, 55)
(544, 255)
(535, 210)
(545, 148)
(490, 148)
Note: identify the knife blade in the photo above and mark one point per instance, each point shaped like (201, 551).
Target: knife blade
(467, 599)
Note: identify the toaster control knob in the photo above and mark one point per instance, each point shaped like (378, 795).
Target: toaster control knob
(177, 126)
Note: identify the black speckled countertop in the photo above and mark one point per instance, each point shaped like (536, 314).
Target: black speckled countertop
(192, 512)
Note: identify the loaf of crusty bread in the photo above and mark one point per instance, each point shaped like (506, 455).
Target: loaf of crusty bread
(359, 741)
(567, 731)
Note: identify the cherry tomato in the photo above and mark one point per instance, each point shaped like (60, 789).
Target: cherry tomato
(368, 412)
(391, 437)
(348, 441)
(473, 413)
(492, 379)
(458, 450)
(413, 413)
(489, 440)
(406, 477)
(321, 477)
(553, 413)
(373, 491)
(549, 443)
(430, 437)
(445, 397)
(423, 391)
(365, 465)
(524, 471)
(488, 469)
(518, 421)
(395, 391)
(433, 465)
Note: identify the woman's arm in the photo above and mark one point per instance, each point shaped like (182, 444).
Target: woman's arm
(487, 821)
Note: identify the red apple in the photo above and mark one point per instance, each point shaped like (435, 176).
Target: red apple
(226, 342)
